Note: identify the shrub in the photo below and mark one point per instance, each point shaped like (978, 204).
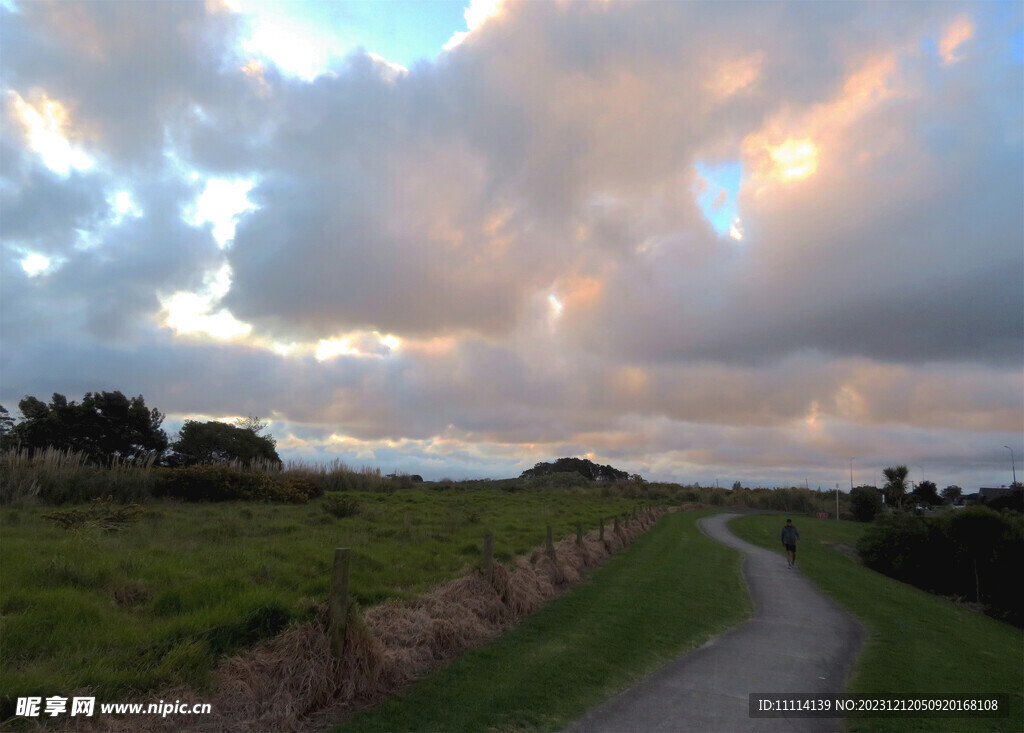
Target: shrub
(100, 515)
(971, 553)
(341, 506)
(221, 482)
(298, 489)
(865, 503)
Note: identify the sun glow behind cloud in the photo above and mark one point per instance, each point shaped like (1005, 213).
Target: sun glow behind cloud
(191, 313)
(220, 204)
(35, 264)
(197, 313)
(46, 123)
(795, 159)
(359, 343)
(293, 46)
(330, 348)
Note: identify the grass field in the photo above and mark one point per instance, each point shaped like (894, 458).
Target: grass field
(667, 593)
(160, 601)
(917, 643)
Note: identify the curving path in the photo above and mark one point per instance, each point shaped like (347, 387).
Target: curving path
(798, 640)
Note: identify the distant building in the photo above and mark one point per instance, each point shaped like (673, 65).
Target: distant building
(987, 495)
(1006, 496)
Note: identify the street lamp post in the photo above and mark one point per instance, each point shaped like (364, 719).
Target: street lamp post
(1013, 464)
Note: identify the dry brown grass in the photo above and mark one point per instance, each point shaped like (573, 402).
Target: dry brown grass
(293, 683)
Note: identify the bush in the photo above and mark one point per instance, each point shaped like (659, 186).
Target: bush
(302, 488)
(220, 482)
(865, 503)
(101, 515)
(341, 506)
(971, 554)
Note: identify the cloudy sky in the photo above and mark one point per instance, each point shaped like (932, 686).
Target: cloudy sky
(694, 240)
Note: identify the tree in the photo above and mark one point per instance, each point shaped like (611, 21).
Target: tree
(896, 485)
(865, 503)
(106, 426)
(6, 426)
(586, 468)
(951, 494)
(927, 493)
(252, 423)
(216, 442)
(737, 486)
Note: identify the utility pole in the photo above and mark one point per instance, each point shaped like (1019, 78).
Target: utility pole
(851, 473)
(1013, 464)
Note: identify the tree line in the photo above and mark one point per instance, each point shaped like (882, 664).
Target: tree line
(110, 428)
(867, 501)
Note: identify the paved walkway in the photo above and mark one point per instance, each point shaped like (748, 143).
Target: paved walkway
(797, 641)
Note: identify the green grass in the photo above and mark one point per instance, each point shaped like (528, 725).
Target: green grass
(161, 601)
(667, 593)
(916, 643)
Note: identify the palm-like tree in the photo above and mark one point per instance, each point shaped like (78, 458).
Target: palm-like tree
(895, 485)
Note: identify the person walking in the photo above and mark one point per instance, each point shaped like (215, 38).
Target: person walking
(790, 537)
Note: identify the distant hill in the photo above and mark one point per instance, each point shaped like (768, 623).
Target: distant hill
(587, 469)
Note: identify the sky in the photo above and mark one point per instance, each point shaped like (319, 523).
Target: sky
(704, 242)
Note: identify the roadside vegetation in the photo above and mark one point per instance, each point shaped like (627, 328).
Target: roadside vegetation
(974, 554)
(96, 596)
(917, 642)
(664, 595)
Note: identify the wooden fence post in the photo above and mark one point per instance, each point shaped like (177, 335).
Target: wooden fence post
(550, 543)
(489, 556)
(338, 605)
(616, 527)
(601, 536)
(579, 534)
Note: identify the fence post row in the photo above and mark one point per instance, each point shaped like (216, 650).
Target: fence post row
(338, 602)
(338, 605)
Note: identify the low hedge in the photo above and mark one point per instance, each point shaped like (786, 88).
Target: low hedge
(218, 482)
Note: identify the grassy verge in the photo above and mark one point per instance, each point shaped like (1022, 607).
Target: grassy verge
(669, 592)
(917, 643)
(162, 600)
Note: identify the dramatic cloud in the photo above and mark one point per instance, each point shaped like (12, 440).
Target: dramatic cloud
(697, 240)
